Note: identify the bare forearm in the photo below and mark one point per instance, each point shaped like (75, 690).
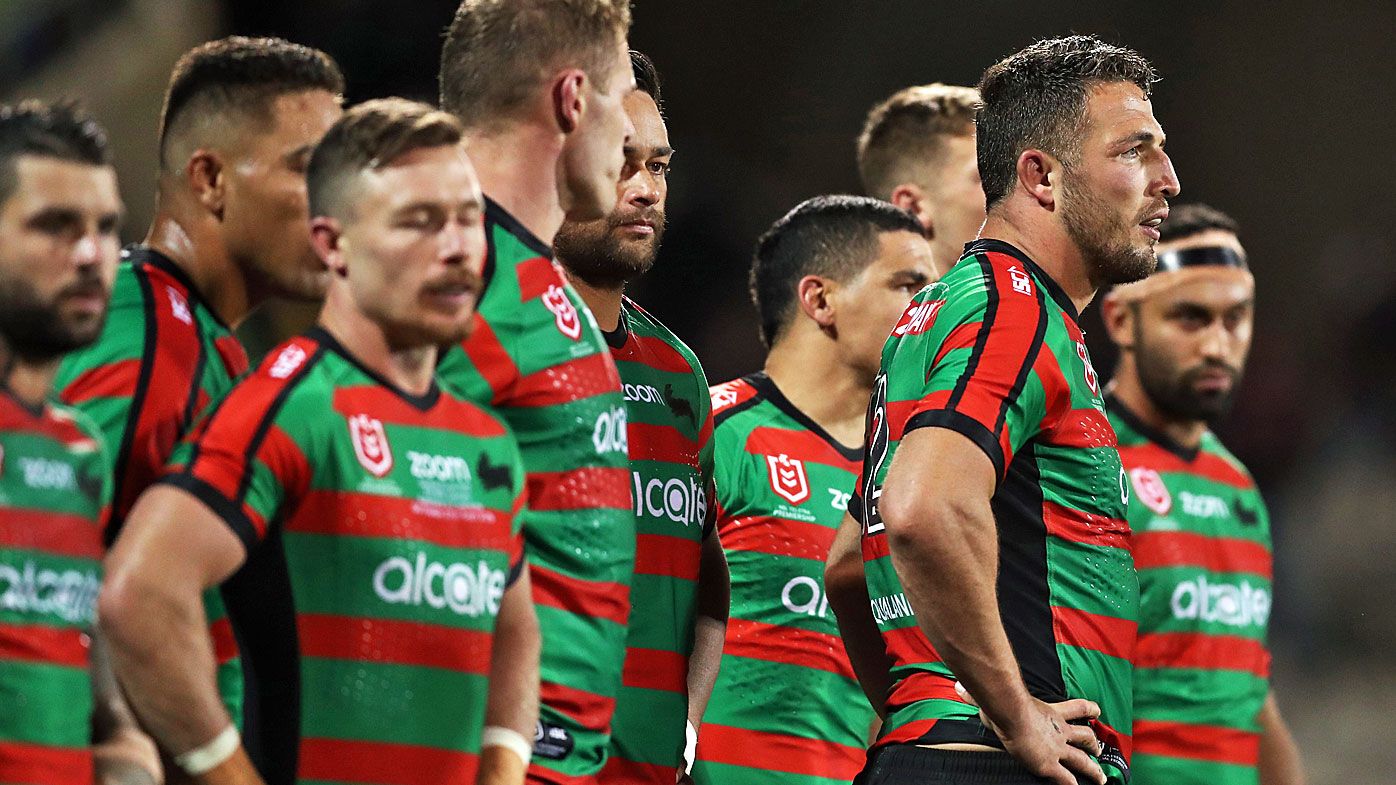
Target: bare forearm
(709, 627)
(513, 690)
(847, 590)
(1280, 762)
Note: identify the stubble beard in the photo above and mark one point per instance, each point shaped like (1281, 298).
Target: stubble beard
(1110, 257)
(594, 251)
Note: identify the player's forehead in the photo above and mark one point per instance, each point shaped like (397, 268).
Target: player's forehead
(441, 176)
(1210, 238)
(45, 182)
(651, 136)
(1211, 293)
(901, 250)
(1118, 110)
(298, 119)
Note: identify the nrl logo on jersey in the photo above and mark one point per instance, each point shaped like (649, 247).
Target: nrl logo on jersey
(1149, 487)
(371, 444)
(788, 478)
(565, 315)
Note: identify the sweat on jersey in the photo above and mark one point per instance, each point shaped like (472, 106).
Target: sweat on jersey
(55, 493)
(786, 707)
(1202, 547)
(163, 355)
(537, 359)
(381, 532)
(669, 429)
(994, 352)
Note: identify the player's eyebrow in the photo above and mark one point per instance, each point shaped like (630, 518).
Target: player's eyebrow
(655, 152)
(1145, 136)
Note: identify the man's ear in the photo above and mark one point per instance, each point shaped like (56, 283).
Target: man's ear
(1039, 173)
(569, 99)
(326, 236)
(813, 293)
(1118, 317)
(207, 178)
(911, 198)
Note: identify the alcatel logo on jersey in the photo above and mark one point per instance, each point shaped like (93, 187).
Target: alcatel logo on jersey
(371, 444)
(804, 596)
(1235, 605)
(1022, 282)
(564, 312)
(287, 362)
(1203, 506)
(442, 468)
(679, 501)
(788, 477)
(917, 318)
(48, 475)
(71, 595)
(1149, 485)
(609, 435)
(464, 590)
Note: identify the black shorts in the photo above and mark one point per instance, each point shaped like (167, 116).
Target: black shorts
(907, 764)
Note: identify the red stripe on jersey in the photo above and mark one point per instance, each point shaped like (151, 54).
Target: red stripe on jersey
(490, 359)
(1206, 465)
(1186, 549)
(37, 643)
(339, 760)
(1202, 651)
(389, 407)
(586, 377)
(655, 669)
(663, 443)
(535, 275)
(729, 394)
(350, 514)
(653, 352)
(962, 337)
(922, 686)
(50, 532)
(779, 752)
(1199, 742)
(233, 355)
(908, 645)
(910, 731)
(541, 775)
(670, 557)
(619, 771)
(21, 762)
(587, 709)
(802, 444)
(113, 380)
(776, 536)
(53, 423)
(898, 412)
(1076, 526)
(1105, 634)
(791, 645)
(1111, 737)
(1083, 428)
(587, 488)
(609, 601)
(225, 645)
(398, 642)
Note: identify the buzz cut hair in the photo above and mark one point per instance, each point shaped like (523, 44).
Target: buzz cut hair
(1186, 220)
(47, 130)
(1035, 99)
(371, 136)
(647, 78)
(903, 137)
(239, 77)
(498, 52)
(832, 236)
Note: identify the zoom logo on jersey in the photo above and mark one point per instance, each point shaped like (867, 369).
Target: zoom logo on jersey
(466, 591)
(71, 595)
(564, 312)
(805, 596)
(642, 393)
(1235, 605)
(608, 435)
(48, 475)
(1203, 506)
(679, 501)
(442, 468)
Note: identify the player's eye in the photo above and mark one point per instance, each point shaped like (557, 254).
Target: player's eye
(1133, 152)
(659, 168)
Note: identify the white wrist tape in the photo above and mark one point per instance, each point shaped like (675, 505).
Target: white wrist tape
(509, 739)
(210, 755)
(690, 746)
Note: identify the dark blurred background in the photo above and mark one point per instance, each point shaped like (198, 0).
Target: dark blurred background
(1279, 113)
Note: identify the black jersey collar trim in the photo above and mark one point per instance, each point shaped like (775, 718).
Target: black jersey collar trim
(147, 256)
(496, 214)
(766, 388)
(616, 338)
(423, 402)
(1048, 282)
(1188, 454)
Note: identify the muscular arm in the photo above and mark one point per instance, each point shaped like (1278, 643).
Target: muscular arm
(513, 691)
(847, 591)
(151, 611)
(709, 626)
(1280, 763)
(122, 754)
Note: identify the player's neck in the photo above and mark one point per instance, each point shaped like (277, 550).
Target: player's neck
(1049, 248)
(409, 368)
(200, 254)
(1127, 390)
(805, 365)
(28, 381)
(518, 172)
(603, 301)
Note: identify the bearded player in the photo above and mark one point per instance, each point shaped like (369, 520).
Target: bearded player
(992, 499)
(678, 608)
(540, 86)
(1204, 710)
(376, 511)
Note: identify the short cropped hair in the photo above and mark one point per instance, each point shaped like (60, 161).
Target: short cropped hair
(1036, 99)
(646, 77)
(833, 236)
(497, 52)
(906, 133)
(242, 76)
(371, 136)
(49, 130)
(1186, 220)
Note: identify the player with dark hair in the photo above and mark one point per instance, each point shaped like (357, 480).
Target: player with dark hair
(541, 86)
(917, 152)
(992, 500)
(241, 116)
(829, 280)
(679, 593)
(1204, 710)
(376, 512)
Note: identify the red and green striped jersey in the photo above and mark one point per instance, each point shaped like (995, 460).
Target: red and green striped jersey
(669, 428)
(537, 358)
(381, 531)
(163, 355)
(1202, 547)
(55, 493)
(994, 352)
(786, 707)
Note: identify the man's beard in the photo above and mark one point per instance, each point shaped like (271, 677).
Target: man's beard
(595, 252)
(1089, 223)
(1176, 394)
(36, 331)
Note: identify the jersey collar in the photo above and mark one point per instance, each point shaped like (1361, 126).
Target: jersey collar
(496, 214)
(766, 388)
(144, 255)
(1048, 282)
(423, 402)
(1188, 454)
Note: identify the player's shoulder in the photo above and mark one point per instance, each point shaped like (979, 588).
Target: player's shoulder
(1212, 445)
(293, 372)
(659, 338)
(742, 404)
(78, 431)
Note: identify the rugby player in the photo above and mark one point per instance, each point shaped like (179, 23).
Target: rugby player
(992, 498)
(678, 609)
(376, 511)
(540, 86)
(59, 211)
(829, 280)
(240, 118)
(917, 152)
(1204, 711)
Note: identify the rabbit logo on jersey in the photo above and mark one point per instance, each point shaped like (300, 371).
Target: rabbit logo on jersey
(371, 444)
(464, 590)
